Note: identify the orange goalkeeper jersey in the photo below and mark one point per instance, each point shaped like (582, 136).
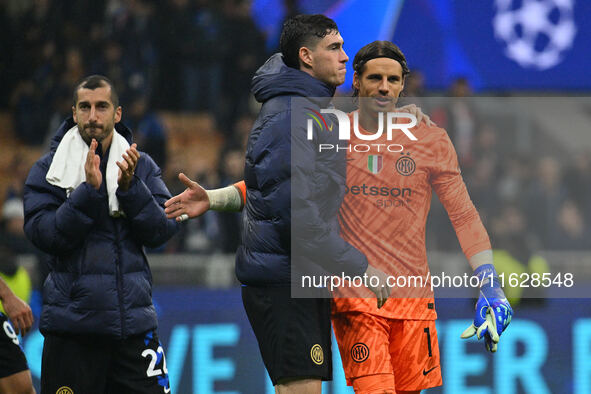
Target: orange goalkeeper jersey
(384, 213)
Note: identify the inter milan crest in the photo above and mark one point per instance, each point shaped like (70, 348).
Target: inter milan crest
(359, 352)
(405, 165)
(317, 354)
(374, 163)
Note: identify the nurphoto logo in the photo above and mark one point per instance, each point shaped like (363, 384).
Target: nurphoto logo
(386, 124)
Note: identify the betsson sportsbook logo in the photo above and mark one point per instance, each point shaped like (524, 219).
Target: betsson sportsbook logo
(345, 130)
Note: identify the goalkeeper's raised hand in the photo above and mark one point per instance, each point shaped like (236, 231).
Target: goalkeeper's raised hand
(493, 311)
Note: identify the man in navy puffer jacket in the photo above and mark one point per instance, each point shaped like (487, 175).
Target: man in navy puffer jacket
(93, 203)
(292, 196)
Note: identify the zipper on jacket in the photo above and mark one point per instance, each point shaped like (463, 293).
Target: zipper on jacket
(119, 278)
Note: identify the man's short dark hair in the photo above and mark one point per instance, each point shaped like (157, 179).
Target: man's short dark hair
(97, 81)
(378, 49)
(303, 31)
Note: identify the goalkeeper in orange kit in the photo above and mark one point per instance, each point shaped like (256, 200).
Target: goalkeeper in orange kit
(384, 215)
(394, 348)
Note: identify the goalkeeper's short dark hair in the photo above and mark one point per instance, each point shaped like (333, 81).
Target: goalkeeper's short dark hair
(303, 31)
(378, 49)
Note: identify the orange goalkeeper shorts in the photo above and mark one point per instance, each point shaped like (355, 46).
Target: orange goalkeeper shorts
(371, 345)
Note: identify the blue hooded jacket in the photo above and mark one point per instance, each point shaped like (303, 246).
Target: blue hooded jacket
(99, 281)
(291, 186)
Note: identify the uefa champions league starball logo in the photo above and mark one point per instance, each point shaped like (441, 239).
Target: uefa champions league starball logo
(536, 33)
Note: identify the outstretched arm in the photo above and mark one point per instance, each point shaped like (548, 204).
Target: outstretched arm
(195, 200)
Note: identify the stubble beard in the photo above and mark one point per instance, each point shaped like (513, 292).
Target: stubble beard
(82, 129)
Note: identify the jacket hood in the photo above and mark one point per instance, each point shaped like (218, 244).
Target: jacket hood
(69, 123)
(274, 78)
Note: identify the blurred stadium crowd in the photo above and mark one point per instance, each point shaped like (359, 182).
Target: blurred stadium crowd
(183, 69)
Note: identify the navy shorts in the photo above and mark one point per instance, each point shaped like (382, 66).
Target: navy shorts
(293, 333)
(95, 364)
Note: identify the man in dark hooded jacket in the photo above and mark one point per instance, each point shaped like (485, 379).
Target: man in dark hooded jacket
(93, 202)
(292, 198)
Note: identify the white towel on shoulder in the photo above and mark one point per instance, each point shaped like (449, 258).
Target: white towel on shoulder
(67, 168)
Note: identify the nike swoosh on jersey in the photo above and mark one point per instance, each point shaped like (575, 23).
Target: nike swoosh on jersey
(429, 370)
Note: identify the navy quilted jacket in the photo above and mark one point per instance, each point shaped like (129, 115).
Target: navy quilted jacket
(100, 281)
(264, 257)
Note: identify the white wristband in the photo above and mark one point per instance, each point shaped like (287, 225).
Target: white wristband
(226, 199)
(481, 258)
